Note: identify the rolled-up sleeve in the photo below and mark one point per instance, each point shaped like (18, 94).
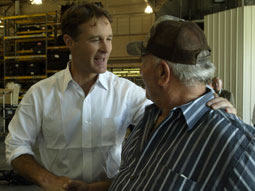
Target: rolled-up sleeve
(24, 127)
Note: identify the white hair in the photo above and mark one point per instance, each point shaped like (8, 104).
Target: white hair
(191, 75)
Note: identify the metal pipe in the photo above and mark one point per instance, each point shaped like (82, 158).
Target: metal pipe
(180, 9)
(5, 11)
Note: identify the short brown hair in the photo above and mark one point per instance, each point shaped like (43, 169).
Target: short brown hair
(79, 14)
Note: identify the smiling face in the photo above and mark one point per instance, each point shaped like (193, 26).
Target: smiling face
(91, 50)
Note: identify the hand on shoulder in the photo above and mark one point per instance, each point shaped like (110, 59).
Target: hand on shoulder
(220, 102)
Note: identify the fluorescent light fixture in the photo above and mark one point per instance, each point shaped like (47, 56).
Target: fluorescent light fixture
(36, 2)
(148, 9)
(1, 26)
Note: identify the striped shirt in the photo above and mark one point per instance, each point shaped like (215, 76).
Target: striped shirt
(194, 148)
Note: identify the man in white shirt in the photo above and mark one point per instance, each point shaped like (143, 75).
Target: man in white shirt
(78, 116)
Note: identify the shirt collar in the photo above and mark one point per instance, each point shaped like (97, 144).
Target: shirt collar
(102, 80)
(194, 110)
(191, 111)
(67, 77)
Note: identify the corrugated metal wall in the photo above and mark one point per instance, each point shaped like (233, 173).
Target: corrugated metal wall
(231, 36)
(249, 60)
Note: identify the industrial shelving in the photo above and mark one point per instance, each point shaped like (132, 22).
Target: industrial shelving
(44, 28)
(7, 110)
(26, 40)
(126, 67)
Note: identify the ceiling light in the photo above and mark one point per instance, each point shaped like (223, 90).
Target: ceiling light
(36, 2)
(148, 9)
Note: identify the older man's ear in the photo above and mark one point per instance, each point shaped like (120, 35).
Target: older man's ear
(163, 73)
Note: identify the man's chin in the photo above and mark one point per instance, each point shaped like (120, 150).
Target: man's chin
(101, 71)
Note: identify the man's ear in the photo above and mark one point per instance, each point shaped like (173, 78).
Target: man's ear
(163, 73)
(68, 40)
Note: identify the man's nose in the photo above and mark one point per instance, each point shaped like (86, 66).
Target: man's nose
(106, 46)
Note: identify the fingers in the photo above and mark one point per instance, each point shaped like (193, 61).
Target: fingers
(231, 110)
(75, 185)
(220, 102)
(215, 95)
(71, 185)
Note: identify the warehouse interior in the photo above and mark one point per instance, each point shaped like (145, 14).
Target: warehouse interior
(130, 23)
(32, 49)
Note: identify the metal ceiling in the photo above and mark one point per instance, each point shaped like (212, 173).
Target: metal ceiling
(189, 9)
(194, 9)
(10, 2)
(5, 3)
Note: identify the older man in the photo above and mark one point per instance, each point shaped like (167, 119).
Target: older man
(217, 85)
(181, 144)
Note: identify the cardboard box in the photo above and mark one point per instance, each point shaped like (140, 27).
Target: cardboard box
(6, 94)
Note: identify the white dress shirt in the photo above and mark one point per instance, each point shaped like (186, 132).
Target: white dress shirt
(79, 137)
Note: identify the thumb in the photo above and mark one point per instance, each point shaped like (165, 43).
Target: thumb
(70, 185)
(215, 95)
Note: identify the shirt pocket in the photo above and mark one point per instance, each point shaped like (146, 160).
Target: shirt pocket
(112, 131)
(52, 130)
(170, 180)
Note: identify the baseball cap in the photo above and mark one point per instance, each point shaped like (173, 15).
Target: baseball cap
(175, 40)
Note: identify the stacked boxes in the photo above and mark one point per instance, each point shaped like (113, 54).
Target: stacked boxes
(25, 68)
(34, 47)
(57, 59)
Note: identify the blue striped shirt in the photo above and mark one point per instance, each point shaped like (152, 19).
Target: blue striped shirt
(194, 148)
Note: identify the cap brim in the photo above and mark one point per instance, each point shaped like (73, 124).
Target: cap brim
(136, 48)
